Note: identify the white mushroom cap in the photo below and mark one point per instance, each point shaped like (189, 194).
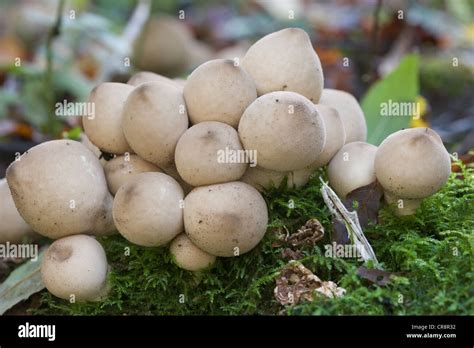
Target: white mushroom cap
(75, 265)
(148, 209)
(350, 112)
(352, 167)
(412, 163)
(13, 228)
(218, 90)
(188, 256)
(59, 188)
(335, 135)
(285, 129)
(121, 168)
(104, 128)
(154, 118)
(225, 219)
(285, 61)
(200, 154)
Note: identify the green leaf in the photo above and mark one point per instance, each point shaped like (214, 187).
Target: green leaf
(21, 284)
(401, 85)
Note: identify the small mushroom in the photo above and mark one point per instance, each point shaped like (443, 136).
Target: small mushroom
(75, 268)
(285, 61)
(188, 256)
(218, 90)
(154, 118)
(120, 169)
(148, 209)
(13, 228)
(352, 167)
(412, 164)
(226, 219)
(203, 153)
(59, 188)
(104, 127)
(285, 130)
(350, 112)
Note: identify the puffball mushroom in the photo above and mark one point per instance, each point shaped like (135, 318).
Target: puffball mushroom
(352, 167)
(226, 219)
(121, 168)
(412, 164)
(218, 90)
(104, 128)
(285, 61)
(13, 228)
(350, 112)
(148, 209)
(285, 130)
(76, 267)
(188, 256)
(154, 118)
(59, 188)
(200, 154)
(335, 135)
(163, 45)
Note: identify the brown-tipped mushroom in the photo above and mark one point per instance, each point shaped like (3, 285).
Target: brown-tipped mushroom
(352, 167)
(285, 130)
(225, 219)
(188, 256)
(59, 188)
(412, 164)
(218, 90)
(75, 268)
(285, 61)
(104, 127)
(148, 209)
(203, 153)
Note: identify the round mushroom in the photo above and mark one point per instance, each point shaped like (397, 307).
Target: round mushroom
(148, 209)
(203, 153)
(226, 219)
(285, 130)
(75, 268)
(154, 118)
(13, 228)
(218, 90)
(121, 168)
(412, 164)
(188, 256)
(352, 167)
(285, 61)
(104, 127)
(59, 188)
(350, 112)
(163, 46)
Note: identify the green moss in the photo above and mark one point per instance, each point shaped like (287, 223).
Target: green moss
(431, 252)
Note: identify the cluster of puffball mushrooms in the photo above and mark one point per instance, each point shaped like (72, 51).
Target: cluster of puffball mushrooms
(166, 185)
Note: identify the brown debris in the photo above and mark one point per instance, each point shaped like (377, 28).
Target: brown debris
(307, 235)
(297, 283)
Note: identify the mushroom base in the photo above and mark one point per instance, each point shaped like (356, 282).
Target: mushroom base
(403, 206)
